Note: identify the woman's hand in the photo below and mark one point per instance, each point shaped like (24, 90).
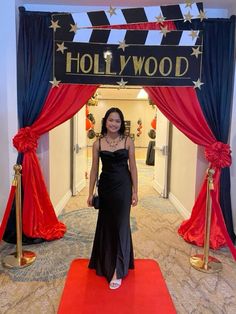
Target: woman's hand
(134, 199)
(89, 200)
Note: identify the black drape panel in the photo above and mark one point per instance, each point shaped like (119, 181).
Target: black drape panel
(215, 96)
(34, 71)
(34, 64)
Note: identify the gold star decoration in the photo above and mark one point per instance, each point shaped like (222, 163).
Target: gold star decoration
(55, 82)
(112, 11)
(122, 45)
(188, 17)
(196, 52)
(202, 15)
(160, 18)
(164, 31)
(197, 84)
(74, 28)
(61, 47)
(122, 83)
(193, 34)
(54, 25)
(188, 3)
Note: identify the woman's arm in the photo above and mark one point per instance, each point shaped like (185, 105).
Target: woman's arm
(93, 171)
(133, 171)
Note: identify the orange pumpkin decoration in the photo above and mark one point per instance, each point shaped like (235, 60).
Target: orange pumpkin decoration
(88, 124)
(154, 123)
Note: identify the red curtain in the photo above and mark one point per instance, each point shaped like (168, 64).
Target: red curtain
(7, 211)
(181, 107)
(39, 219)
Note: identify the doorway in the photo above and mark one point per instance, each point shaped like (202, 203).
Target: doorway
(139, 114)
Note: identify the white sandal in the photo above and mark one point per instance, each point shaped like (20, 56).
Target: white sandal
(115, 283)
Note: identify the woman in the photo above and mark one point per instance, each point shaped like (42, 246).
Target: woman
(112, 253)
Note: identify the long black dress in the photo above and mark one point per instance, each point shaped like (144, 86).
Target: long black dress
(112, 247)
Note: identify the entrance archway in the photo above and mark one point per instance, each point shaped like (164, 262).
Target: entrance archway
(53, 114)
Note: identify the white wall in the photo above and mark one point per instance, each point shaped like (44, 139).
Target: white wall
(59, 165)
(72, 8)
(8, 98)
(63, 8)
(233, 167)
(183, 172)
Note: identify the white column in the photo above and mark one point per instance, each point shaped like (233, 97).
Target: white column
(233, 167)
(8, 97)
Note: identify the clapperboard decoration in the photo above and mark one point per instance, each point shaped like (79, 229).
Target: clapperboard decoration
(88, 51)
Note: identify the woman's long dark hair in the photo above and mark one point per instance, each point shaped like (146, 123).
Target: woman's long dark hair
(104, 121)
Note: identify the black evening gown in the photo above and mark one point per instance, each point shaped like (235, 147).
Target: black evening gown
(112, 246)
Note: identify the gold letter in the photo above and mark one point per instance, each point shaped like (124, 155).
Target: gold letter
(68, 62)
(178, 66)
(108, 65)
(162, 66)
(147, 66)
(82, 63)
(123, 63)
(96, 64)
(138, 64)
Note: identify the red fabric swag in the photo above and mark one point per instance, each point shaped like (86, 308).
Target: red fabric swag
(39, 219)
(7, 211)
(181, 107)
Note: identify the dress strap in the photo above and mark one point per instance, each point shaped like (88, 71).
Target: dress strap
(99, 141)
(125, 141)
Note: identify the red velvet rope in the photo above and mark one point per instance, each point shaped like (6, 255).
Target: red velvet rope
(25, 140)
(219, 155)
(7, 211)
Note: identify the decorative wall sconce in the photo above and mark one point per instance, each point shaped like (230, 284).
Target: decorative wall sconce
(93, 101)
(107, 55)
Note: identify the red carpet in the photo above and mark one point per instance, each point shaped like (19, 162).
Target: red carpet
(143, 291)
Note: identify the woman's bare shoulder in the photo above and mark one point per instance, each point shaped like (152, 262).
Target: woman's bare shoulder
(96, 144)
(129, 142)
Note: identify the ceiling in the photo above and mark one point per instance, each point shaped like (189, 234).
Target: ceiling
(111, 92)
(226, 4)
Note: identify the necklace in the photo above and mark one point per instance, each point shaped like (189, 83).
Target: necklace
(113, 143)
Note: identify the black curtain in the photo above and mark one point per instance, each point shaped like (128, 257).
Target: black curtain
(34, 71)
(215, 96)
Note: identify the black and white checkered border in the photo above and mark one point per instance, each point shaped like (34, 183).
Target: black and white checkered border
(136, 15)
(137, 37)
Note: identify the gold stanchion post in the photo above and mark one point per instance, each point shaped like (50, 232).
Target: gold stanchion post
(204, 262)
(20, 258)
